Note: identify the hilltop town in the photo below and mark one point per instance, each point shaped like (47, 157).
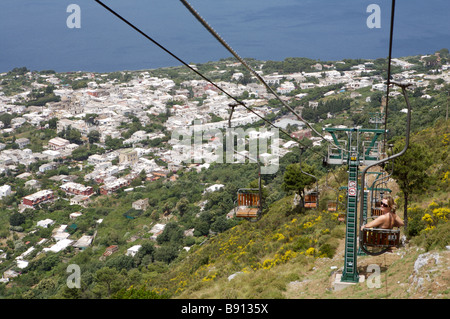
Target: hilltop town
(80, 136)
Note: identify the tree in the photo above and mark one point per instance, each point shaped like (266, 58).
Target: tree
(182, 206)
(295, 180)
(53, 123)
(113, 143)
(444, 52)
(166, 253)
(147, 249)
(121, 262)
(172, 233)
(49, 262)
(94, 137)
(221, 224)
(16, 219)
(80, 154)
(74, 136)
(105, 277)
(410, 171)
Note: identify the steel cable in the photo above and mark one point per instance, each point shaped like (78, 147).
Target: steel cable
(222, 41)
(197, 72)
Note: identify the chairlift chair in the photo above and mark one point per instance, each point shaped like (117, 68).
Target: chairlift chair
(376, 210)
(332, 206)
(248, 203)
(376, 241)
(311, 199)
(381, 238)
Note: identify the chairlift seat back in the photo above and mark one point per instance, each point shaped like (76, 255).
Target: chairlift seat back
(378, 237)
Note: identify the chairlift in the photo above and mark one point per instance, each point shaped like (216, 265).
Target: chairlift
(377, 193)
(332, 206)
(248, 203)
(376, 241)
(381, 238)
(341, 217)
(249, 200)
(376, 210)
(311, 199)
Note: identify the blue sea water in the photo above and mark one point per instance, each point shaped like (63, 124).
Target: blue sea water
(34, 33)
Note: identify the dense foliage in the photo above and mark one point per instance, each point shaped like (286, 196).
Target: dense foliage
(175, 264)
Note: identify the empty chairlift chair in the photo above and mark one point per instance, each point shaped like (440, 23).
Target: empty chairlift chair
(248, 203)
(376, 209)
(311, 200)
(332, 206)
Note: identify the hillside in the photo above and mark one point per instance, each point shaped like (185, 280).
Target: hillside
(293, 254)
(181, 243)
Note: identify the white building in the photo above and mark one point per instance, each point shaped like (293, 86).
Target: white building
(156, 230)
(286, 88)
(60, 245)
(5, 190)
(214, 188)
(83, 242)
(45, 222)
(51, 155)
(132, 251)
(379, 87)
(57, 143)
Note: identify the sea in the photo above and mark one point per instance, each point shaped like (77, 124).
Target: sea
(81, 35)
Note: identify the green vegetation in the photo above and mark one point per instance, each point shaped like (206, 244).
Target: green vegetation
(200, 248)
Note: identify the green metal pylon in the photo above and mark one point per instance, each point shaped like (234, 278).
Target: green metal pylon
(350, 273)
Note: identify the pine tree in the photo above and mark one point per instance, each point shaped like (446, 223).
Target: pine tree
(410, 171)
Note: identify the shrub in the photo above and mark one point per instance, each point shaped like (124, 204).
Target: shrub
(166, 253)
(16, 219)
(140, 293)
(436, 238)
(327, 250)
(415, 223)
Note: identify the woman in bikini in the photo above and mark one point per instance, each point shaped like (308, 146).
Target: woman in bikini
(389, 219)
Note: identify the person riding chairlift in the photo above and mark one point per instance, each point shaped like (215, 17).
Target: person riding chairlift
(389, 219)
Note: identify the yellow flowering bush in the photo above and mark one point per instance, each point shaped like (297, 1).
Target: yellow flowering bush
(308, 225)
(311, 251)
(446, 139)
(445, 177)
(427, 218)
(441, 213)
(209, 277)
(278, 259)
(435, 215)
(278, 236)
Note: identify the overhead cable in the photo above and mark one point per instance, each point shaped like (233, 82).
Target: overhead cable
(197, 72)
(391, 36)
(222, 41)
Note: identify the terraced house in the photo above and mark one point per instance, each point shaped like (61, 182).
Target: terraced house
(77, 189)
(42, 196)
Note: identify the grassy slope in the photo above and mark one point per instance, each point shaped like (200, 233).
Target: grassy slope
(267, 267)
(282, 255)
